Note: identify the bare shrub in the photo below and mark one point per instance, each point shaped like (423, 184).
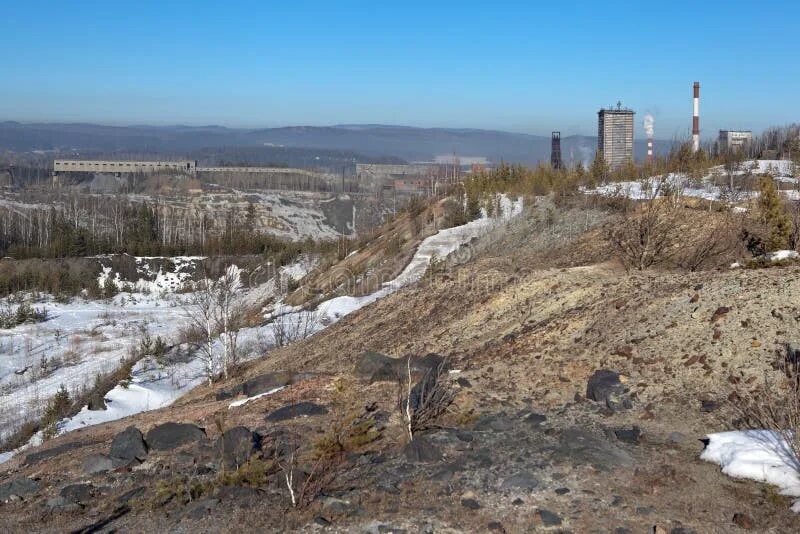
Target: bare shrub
(775, 407)
(423, 404)
(646, 236)
(712, 244)
(293, 327)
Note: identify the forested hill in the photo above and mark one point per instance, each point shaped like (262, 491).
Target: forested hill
(367, 143)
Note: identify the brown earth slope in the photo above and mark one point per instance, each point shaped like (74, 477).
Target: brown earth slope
(522, 450)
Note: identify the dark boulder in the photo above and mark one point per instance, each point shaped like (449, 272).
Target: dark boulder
(375, 367)
(169, 436)
(128, 446)
(548, 518)
(578, 446)
(522, 480)
(98, 463)
(292, 411)
(77, 493)
(39, 456)
(19, 487)
(631, 435)
(258, 385)
(605, 386)
(421, 450)
(237, 445)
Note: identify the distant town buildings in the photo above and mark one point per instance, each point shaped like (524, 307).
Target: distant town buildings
(735, 139)
(615, 135)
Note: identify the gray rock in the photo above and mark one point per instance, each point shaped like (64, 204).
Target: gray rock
(581, 447)
(59, 503)
(292, 411)
(97, 463)
(258, 385)
(472, 504)
(200, 509)
(240, 496)
(129, 445)
(169, 436)
(135, 493)
(604, 386)
(548, 518)
(535, 419)
(421, 450)
(496, 423)
(522, 480)
(676, 437)
(237, 445)
(36, 457)
(629, 435)
(337, 506)
(19, 486)
(375, 367)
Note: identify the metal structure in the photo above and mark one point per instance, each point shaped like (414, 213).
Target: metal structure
(555, 151)
(696, 118)
(649, 150)
(735, 139)
(615, 135)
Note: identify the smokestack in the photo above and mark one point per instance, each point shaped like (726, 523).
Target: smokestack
(648, 124)
(696, 119)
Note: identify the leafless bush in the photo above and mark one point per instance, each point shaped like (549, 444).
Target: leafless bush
(646, 236)
(716, 241)
(424, 403)
(775, 407)
(303, 487)
(293, 327)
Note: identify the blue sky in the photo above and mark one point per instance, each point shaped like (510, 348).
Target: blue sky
(520, 66)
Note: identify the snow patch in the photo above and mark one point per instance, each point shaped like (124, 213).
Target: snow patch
(242, 402)
(760, 455)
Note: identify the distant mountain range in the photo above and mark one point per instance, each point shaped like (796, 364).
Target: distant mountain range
(372, 141)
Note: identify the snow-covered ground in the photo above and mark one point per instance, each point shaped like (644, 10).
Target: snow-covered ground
(80, 340)
(782, 170)
(761, 455)
(154, 386)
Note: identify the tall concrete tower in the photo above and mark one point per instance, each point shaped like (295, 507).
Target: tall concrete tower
(696, 119)
(555, 151)
(615, 135)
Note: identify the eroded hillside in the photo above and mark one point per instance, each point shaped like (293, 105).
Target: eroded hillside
(536, 438)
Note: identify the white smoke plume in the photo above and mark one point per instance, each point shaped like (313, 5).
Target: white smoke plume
(648, 123)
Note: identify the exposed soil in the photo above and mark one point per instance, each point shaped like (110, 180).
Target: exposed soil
(522, 450)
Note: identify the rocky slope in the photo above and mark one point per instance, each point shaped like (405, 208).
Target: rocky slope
(582, 394)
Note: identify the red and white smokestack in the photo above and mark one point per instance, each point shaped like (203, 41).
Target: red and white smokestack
(649, 150)
(696, 118)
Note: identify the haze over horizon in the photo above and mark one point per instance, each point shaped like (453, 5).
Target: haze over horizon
(518, 68)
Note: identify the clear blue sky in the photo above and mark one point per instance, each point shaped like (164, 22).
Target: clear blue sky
(524, 66)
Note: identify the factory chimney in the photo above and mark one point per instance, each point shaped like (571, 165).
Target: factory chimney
(648, 124)
(555, 151)
(696, 119)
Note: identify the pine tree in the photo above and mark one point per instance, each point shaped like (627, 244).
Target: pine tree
(778, 222)
(599, 170)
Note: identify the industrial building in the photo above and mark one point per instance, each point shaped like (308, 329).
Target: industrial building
(735, 139)
(615, 135)
(146, 167)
